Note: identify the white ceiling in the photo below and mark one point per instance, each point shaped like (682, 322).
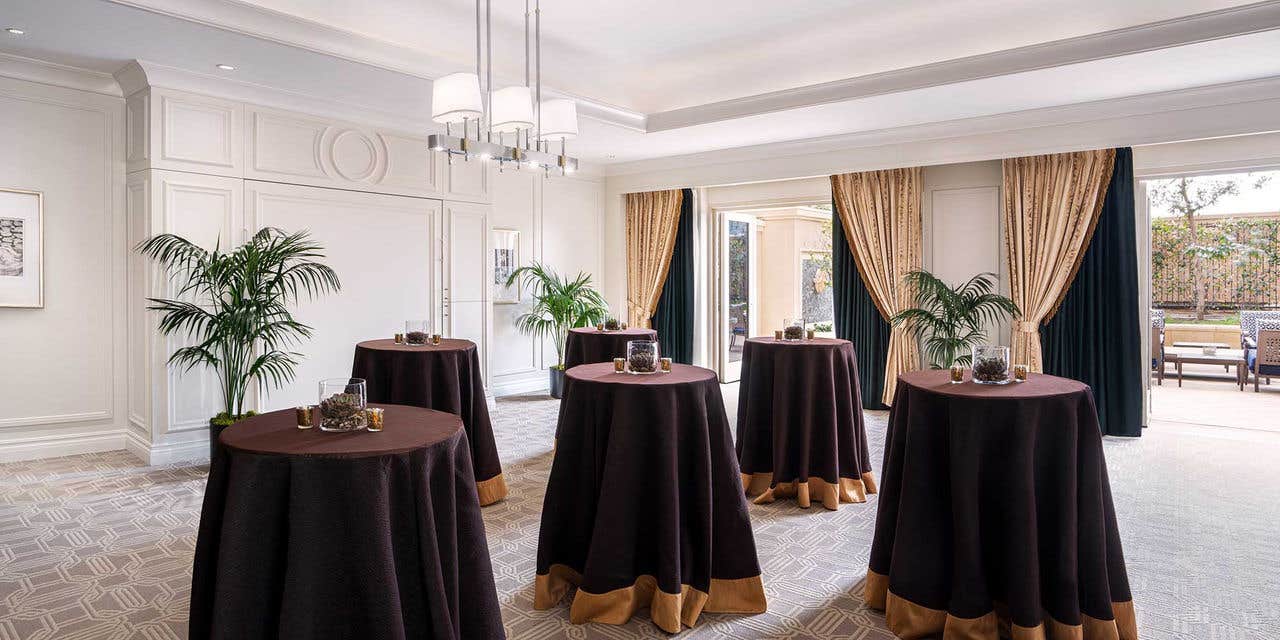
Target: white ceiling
(664, 78)
(659, 55)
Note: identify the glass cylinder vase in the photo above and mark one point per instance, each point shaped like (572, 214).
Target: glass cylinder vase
(417, 332)
(642, 356)
(991, 364)
(342, 404)
(792, 329)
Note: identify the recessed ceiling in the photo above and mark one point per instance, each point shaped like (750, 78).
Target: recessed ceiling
(666, 78)
(660, 55)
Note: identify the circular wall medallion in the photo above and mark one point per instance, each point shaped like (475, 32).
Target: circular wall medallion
(354, 155)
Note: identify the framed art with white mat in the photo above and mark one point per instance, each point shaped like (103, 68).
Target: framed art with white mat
(21, 248)
(506, 259)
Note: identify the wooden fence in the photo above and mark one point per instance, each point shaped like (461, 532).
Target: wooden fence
(1246, 275)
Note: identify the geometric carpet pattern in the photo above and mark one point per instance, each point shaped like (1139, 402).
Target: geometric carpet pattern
(97, 546)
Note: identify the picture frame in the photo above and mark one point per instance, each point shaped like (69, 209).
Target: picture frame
(21, 248)
(506, 259)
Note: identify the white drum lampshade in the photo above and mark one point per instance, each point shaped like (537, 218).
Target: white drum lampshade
(512, 109)
(456, 97)
(559, 119)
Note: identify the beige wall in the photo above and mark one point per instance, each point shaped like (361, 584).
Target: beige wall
(784, 235)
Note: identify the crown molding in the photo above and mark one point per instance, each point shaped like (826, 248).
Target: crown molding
(142, 74)
(281, 28)
(1202, 27)
(1216, 111)
(58, 75)
(266, 24)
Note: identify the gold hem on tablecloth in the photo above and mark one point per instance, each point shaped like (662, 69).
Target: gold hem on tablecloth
(847, 490)
(910, 621)
(667, 610)
(491, 490)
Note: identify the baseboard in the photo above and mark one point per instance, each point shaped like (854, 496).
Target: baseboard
(54, 446)
(189, 448)
(522, 384)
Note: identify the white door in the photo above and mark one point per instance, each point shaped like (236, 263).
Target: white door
(737, 290)
(383, 249)
(465, 299)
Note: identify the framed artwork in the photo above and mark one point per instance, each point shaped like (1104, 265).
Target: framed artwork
(506, 259)
(21, 248)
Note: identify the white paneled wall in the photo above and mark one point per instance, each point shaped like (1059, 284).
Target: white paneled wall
(386, 270)
(62, 367)
(407, 231)
(962, 234)
(515, 362)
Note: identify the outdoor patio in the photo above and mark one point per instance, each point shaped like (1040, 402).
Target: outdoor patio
(1209, 396)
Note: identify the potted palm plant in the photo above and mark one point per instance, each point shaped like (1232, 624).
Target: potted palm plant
(559, 304)
(951, 319)
(234, 309)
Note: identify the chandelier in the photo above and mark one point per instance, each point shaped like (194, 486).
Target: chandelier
(518, 111)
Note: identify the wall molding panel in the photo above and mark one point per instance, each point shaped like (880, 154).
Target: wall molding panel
(203, 167)
(69, 144)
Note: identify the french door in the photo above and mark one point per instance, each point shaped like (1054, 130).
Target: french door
(737, 290)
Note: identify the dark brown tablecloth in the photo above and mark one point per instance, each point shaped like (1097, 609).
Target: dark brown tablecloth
(586, 345)
(995, 509)
(307, 534)
(800, 429)
(644, 506)
(445, 377)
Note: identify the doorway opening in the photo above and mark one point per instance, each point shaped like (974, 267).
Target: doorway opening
(1215, 279)
(774, 265)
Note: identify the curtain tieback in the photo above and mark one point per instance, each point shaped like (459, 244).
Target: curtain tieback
(1028, 327)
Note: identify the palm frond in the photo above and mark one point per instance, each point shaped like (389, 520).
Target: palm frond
(950, 320)
(233, 304)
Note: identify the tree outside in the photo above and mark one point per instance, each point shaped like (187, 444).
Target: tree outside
(1179, 207)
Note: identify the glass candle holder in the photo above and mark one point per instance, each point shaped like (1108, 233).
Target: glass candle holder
(416, 332)
(624, 326)
(619, 365)
(792, 329)
(1020, 372)
(342, 404)
(373, 416)
(991, 365)
(957, 374)
(600, 327)
(304, 416)
(435, 338)
(666, 365)
(642, 356)
(808, 334)
(777, 335)
(399, 338)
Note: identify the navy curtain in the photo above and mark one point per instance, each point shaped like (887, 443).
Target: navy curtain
(673, 319)
(1096, 335)
(857, 319)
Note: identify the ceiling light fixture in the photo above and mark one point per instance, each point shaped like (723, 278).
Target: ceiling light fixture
(461, 98)
(15, 31)
(226, 67)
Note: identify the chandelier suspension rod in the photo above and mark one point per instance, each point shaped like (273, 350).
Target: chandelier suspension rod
(488, 80)
(537, 36)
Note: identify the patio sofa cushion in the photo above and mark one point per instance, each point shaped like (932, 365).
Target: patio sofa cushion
(1249, 321)
(1267, 370)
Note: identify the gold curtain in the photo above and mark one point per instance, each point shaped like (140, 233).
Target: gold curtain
(652, 219)
(880, 214)
(1051, 206)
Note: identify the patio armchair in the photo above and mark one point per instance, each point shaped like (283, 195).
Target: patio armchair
(1158, 357)
(1157, 352)
(1264, 358)
(1249, 326)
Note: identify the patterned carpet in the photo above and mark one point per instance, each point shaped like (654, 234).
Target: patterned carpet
(97, 547)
